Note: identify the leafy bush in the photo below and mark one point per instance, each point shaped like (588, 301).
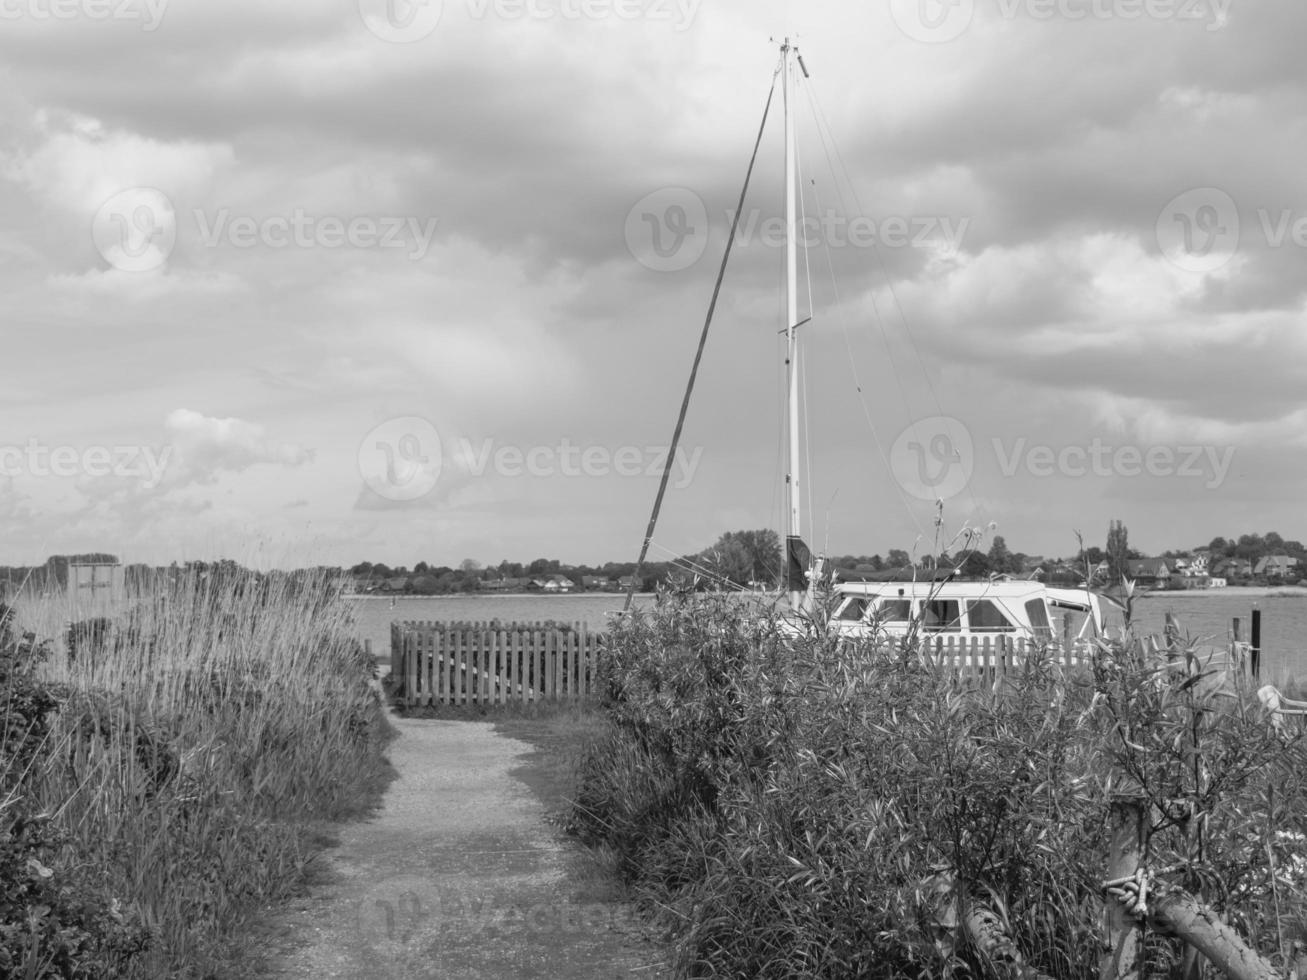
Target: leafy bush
(811, 808)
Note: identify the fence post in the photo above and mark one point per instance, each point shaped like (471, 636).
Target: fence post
(1128, 823)
(1255, 652)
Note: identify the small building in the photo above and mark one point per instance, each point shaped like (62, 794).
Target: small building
(593, 583)
(1149, 573)
(1277, 567)
(1233, 568)
(1215, 582)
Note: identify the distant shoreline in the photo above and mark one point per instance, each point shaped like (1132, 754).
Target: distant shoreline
(1231, 592)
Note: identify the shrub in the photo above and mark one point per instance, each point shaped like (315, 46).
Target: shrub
(811, 808)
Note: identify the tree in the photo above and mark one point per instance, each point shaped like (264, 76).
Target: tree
(1118, 550)
(898, 558)
(976, 565)
(741, 557)
(999, 559)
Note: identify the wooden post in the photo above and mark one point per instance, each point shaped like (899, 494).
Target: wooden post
(1255, 651)
(1128, 822)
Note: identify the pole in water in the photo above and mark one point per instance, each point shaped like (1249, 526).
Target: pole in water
(1256, 642)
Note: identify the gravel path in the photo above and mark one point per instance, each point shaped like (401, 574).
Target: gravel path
(459, 875)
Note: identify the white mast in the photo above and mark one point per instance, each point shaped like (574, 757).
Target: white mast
(791, 317)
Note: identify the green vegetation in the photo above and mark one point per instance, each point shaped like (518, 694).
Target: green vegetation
(175, 774)
(808, 808)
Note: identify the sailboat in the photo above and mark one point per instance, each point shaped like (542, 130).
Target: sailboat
(1025, 610)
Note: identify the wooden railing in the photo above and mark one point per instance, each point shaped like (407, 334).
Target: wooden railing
(491, 663)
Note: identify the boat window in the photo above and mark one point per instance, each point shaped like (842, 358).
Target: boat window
(1038, 614)
(983, 616)
(941, 615)
(894, 610)
(852, 609)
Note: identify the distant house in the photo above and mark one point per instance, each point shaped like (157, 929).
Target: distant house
(626, 582)
(505, 584)
(1188, 579)
(594, 582)
(1233, 568)
(1216, 582)
(556, 583)
(1149, 573)
(396, 584)
(1276, 566)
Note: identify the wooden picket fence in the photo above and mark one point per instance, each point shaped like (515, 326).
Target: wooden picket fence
(988, 658)
(492, 663)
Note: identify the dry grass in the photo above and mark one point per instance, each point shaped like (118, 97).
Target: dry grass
(201, 740)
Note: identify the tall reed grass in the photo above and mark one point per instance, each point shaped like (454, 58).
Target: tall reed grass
(813, 808)
(165, 771)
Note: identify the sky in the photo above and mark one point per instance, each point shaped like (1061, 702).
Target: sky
(413, 280)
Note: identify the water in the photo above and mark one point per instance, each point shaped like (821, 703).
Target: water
(1207, 616)
(1204, 615)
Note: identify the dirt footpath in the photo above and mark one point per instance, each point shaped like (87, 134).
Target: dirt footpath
(458, 876)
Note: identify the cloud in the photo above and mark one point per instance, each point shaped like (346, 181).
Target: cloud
(207, 447)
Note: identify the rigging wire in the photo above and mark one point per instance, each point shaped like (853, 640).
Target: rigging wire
(698, 354)
(829, 143)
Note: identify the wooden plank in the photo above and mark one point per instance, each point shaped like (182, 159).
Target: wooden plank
(551, 664)
(504, 669)
(582, 668)
(536, 686)
(464, 680)
(410, 668)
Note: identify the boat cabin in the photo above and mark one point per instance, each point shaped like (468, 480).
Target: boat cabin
(1029, 610)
